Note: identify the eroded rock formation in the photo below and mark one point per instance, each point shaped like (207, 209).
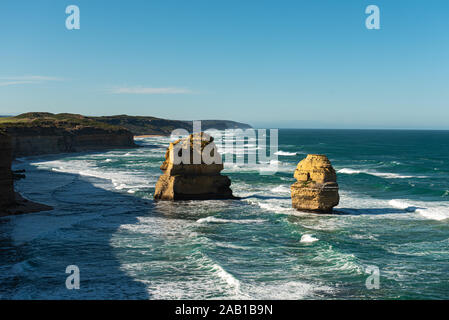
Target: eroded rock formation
(191, 171)
(316, 188)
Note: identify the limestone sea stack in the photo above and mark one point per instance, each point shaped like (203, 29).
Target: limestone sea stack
(197, 175)
(316, 188)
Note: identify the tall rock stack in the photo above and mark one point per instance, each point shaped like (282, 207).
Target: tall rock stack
(6, 180)
(316, 188)
(195, 177)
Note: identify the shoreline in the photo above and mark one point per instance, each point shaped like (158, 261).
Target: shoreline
(22, 205)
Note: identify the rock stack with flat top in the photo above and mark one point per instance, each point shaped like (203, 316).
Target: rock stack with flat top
(316, 188)
(191, 171)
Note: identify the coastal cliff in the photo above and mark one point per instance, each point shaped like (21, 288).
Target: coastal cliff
(201, 181)
(12, 203)
(6, 179)
(37, 133)
(316, 188)
(46, 133)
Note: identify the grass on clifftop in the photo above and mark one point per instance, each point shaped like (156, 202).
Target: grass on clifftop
(137, 125)
(60, 120)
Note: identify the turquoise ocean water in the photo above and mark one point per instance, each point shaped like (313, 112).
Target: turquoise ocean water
(393, 214)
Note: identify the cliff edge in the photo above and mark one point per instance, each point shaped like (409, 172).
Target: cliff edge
(12, 203)
(6, 179)
(38, 133)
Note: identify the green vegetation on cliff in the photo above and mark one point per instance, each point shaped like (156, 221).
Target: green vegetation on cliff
(144, 125)
(46, 120)
(137, 125)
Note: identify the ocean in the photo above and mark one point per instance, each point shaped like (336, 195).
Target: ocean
(393, 215)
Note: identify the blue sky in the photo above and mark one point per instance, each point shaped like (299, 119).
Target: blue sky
(269, 63)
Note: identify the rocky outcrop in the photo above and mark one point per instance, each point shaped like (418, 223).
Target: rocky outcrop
(6, 179)
(316, 188)
(12, 203)
(191, 171)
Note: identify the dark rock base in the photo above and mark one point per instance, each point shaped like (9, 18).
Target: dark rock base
(23, 206)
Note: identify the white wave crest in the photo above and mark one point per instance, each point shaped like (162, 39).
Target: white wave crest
(285, 290)
(386, 175)
(428, 210)
(285, 153)
(231, 246)
(212, 219)
(281, 189)
(276, 206)
(226, 277)
(307, 238)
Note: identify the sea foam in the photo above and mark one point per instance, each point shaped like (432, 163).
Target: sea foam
(219, 220)
(281, 189)
(386, 175)
(307, 238)
(432, 211)
(226, 277)
(285, 153)
(121, 179)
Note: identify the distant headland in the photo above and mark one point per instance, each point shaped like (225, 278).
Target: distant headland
(141, 126)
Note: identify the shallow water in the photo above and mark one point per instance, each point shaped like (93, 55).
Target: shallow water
(393, 214)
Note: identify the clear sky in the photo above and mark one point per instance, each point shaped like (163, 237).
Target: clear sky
(280, 63)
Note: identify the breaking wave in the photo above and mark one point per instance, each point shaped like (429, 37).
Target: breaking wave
(427, 210)
(386, 175)
(219, 220)
(285, 153)
(307, 238)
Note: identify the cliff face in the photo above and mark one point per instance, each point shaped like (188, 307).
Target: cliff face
(37, 141)
(12, 203)
(6, 179)
(44, 133)
(201, 181)
(316, 188)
